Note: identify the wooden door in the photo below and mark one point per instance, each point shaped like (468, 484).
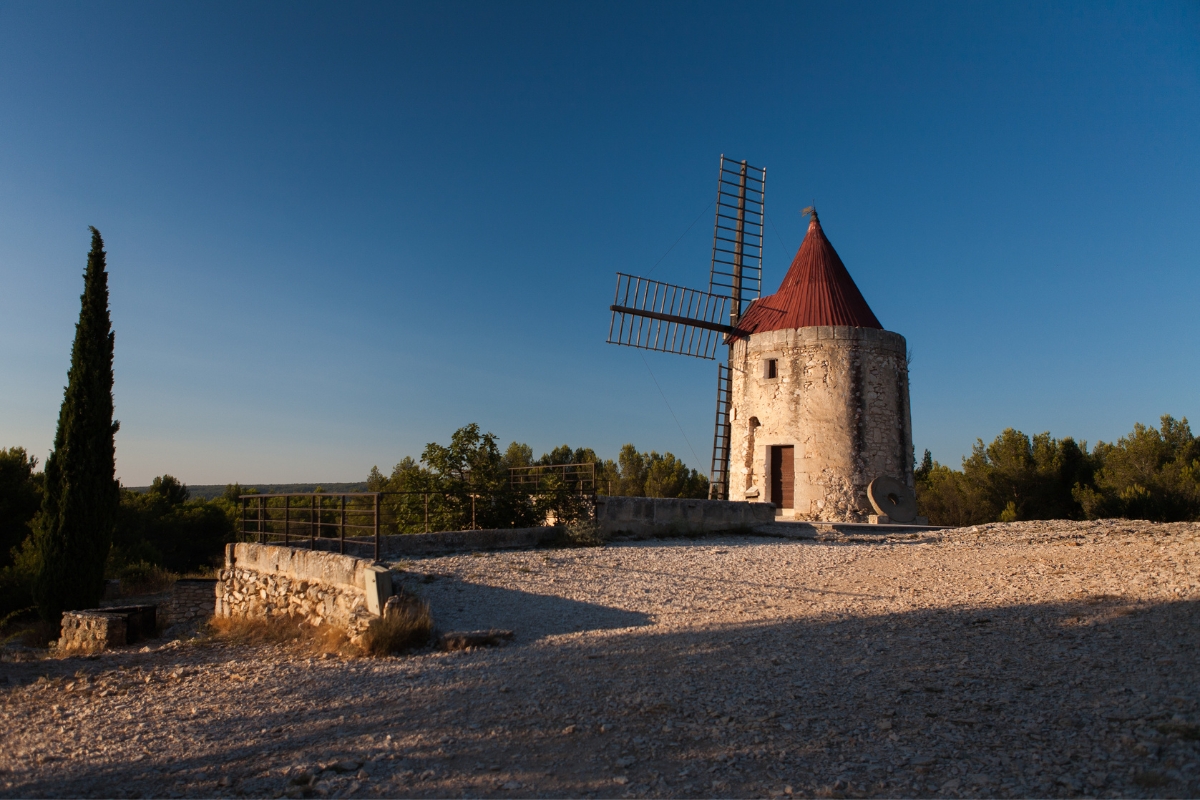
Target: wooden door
(783, 476)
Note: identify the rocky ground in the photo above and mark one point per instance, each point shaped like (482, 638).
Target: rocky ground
(1029, 659)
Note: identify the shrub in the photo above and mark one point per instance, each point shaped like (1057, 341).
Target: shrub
(583, 533)
(406, 624)
(142, 577)
(16, 580)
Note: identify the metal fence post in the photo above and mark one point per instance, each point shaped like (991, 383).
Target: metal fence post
(262, 530)
(287, 518)
(312, 523)
(427, 512)
(377, 526)
(342, 528)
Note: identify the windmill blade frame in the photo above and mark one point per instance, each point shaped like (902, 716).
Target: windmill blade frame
(738, 233)
(652, 315)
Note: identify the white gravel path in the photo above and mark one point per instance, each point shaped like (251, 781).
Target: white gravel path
(1048, 659)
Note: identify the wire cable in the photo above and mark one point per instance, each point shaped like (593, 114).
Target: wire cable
(664, 397)
(680, 239)
(780, 238)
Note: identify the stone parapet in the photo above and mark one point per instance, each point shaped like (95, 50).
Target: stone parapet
(313, 586)
(650, 516)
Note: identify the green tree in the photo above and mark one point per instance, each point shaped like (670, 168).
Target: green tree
(163, 527)
(81, 491)
(667, 476)
(20, 499)
(518, 455)
(1015, 477)
(1149, 474)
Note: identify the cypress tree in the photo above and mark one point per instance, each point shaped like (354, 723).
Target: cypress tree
(79, 507)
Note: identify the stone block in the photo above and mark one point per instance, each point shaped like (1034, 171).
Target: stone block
(91, 631)
(377, 585)
(878, 519)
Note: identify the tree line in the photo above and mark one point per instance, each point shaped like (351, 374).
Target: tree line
(467, 483)
(1151, 474)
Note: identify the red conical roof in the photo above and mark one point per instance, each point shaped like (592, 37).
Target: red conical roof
(817, 290)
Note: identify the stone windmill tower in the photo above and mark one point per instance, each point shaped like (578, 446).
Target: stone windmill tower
(819, 398)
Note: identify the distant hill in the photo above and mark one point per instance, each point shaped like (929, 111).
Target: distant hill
(208, 492)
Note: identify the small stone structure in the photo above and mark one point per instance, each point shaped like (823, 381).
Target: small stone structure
(314, 586)
(192, 600)
(820, 397)
(94, 629)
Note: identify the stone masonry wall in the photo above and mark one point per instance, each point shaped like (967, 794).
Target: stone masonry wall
(265, 581)
(840, 398)
(192, 599)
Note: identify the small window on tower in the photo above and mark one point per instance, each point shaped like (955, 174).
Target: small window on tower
(771, 368)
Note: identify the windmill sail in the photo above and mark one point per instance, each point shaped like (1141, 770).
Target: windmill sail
(670, 319)
(673, 319)
(738, 234)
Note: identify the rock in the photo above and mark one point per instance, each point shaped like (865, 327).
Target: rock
(462, 640)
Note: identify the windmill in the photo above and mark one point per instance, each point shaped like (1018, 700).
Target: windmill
(653, 315)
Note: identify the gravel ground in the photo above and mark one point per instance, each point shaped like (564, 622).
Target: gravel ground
(1028, 659)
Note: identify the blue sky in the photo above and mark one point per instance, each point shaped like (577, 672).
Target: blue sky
(337, 232)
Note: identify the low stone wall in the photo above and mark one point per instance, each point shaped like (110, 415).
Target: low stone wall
(317, 587)
(651, 516)
(192, 600)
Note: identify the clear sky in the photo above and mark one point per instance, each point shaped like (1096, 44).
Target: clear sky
(337, 232)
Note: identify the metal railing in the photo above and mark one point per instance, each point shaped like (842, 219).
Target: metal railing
(579, 478)
(317, 514)
(316, 518)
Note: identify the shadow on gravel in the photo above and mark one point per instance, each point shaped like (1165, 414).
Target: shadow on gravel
(1092, 697)
(462, 605)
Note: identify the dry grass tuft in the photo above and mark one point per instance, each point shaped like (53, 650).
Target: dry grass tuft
(247, 630)
(283, 631)
(406, 624)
